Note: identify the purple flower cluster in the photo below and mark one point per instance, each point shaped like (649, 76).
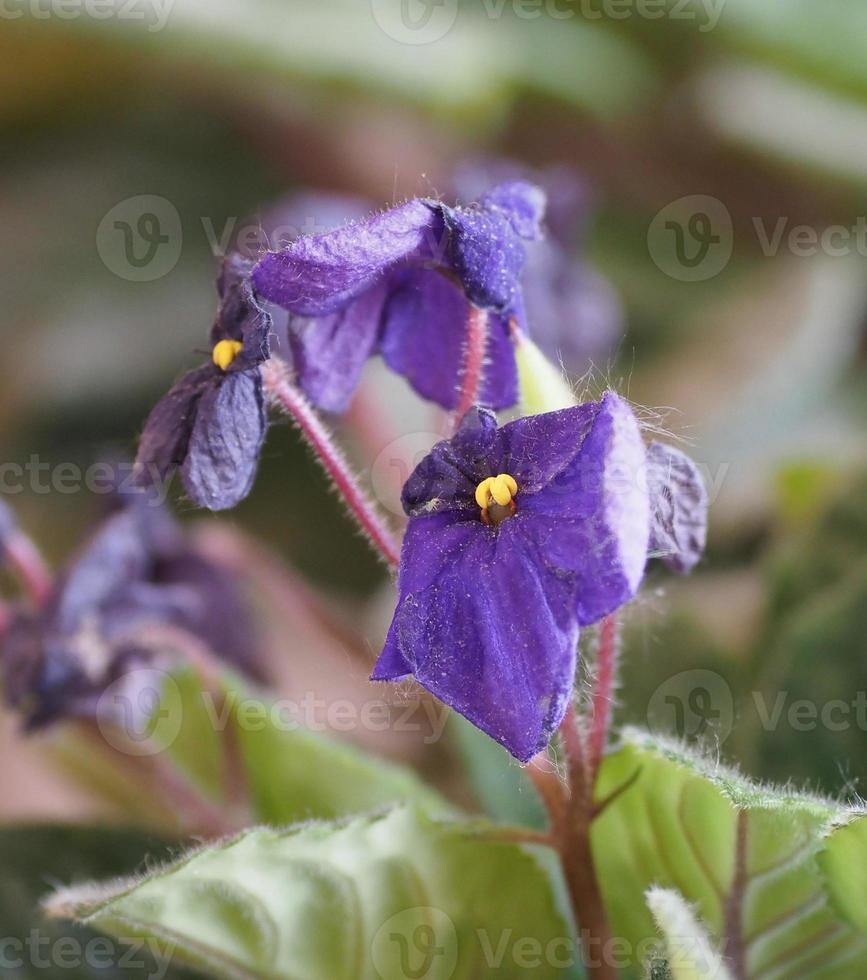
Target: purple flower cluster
(518, 536)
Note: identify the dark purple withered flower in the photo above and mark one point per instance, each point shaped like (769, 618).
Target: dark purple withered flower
(212, 423)
(136, 576)
(401, 283)
(678, 530)
(574, 313)
(518, 536)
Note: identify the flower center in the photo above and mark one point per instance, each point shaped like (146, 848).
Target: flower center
(225, 351)
(495, 497)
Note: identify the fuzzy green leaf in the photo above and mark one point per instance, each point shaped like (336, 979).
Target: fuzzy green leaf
(392, 896)
(291, 773)
(844, 862)
(746, 857)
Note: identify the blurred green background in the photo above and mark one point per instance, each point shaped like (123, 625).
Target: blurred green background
(221, 107)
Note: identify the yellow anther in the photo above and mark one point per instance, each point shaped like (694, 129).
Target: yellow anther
(483, 492)
(503, 489)
(225, 351)
(496, 489)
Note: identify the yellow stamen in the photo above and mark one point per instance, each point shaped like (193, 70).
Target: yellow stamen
(496, 489)
(483, 496)
(225, 351)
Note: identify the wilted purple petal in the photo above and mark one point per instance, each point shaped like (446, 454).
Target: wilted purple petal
(317, 275)
(166, 435)
(240, 315)
(486, 629)
(227, 436)
(137, 572)
(423, 338)
(679, 503)
(117, 555)
(329, 352)
(209, 604)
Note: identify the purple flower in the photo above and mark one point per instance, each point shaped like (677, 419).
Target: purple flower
(400, 284)
(212, 423)
(518, 536)
(137, 573)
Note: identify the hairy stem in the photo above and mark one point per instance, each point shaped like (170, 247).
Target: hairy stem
(282, 392)
(577, 856)
(603, 692)
(474, 363)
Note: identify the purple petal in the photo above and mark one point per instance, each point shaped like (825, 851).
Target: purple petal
(317, 275)
(446, 479)
(329, 352)
(423, 338)
(524, 204)
(208, 604)
(679, 503)
(485, 628)
(592, 518)
(486, 254)
(163, 444)
(117, 554)
(226, 441)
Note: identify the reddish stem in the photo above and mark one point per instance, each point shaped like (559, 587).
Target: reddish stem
(474, 363)
(572, 739)
(576, 855)
(285, 394)
(603, 692)
(29, 565)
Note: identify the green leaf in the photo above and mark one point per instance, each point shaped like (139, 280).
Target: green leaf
(747, 858)
(291, 773)
(31, 859)
(391, 896)
(499, 783)
(844, 862)
(690, 953)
